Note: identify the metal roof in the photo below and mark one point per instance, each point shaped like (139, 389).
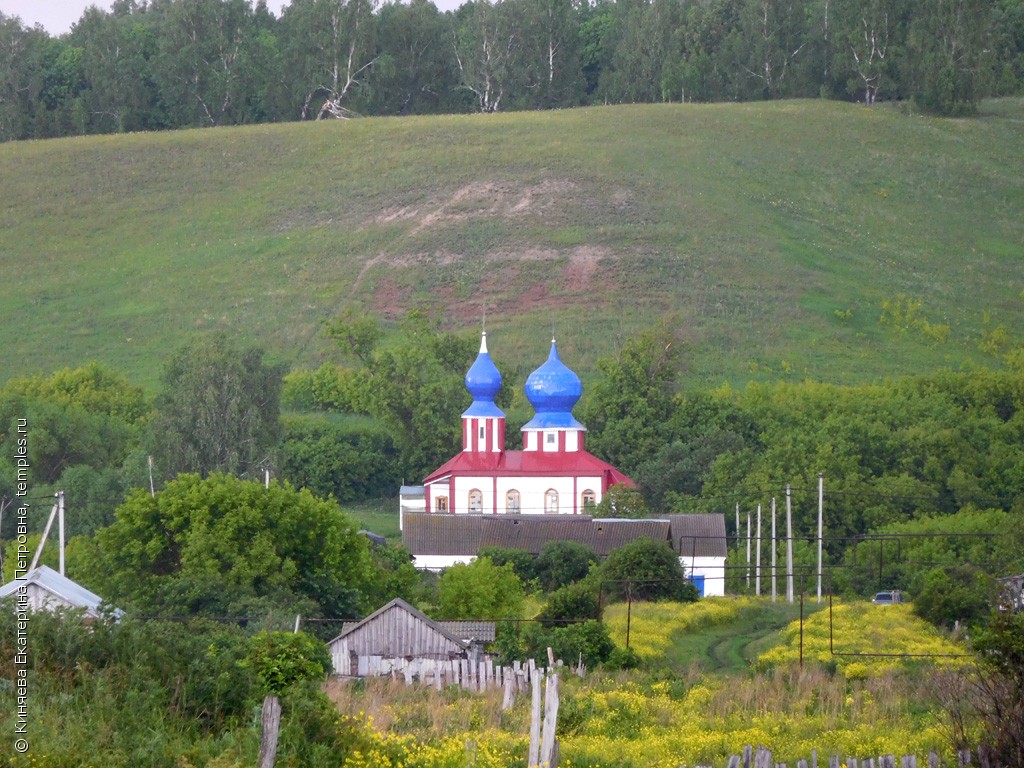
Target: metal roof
(480, 631)
(553, 390)
(61, 586)
(698, 535)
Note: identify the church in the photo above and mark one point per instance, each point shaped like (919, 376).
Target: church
(553, 474)
(488, 497)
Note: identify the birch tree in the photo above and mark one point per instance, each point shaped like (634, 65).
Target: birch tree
(200, 59)
(866, 33)
(773, 36)
(331, 48)
(486, 44)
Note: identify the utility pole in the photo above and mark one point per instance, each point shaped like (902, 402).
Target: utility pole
(42, 540)
(789, 545)
(60, 530)
(757, 563)
(821, 524)
(748, 550)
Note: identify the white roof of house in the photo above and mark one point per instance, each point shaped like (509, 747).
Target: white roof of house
(45, 577)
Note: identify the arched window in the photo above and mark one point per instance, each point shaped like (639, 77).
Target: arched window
(551, 502)
(441, 504)
(476, 501)
(512, 502)
(588, 498)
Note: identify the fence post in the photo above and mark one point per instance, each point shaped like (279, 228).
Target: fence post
(534, 757)
(548, 742)
(271, 726)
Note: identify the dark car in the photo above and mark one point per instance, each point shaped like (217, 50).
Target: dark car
(887, 598)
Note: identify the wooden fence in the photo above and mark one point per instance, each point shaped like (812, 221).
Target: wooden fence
(762, 758)
(482, 675)
(479, 675)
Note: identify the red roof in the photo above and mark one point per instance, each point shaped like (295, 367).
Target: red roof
(528, 463)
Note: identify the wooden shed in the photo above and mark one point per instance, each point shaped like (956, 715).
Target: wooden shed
(395, 633)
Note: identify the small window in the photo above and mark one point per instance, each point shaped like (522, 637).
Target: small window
(551, 438)
(512, 502)
(588, 498)
(482, 433)
(476, 501)
(551, 502)
(441, 504)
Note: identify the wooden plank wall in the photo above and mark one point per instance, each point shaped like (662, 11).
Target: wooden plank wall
(395, 633)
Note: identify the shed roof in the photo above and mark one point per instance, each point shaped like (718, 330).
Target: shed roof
(61, 586)
(399, 604)
(698, 535)
(481, 631)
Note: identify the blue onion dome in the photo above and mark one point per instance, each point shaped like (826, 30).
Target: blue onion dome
(553, 390)
(483, 380)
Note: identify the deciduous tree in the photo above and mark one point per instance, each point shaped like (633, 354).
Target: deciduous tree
(219, 410)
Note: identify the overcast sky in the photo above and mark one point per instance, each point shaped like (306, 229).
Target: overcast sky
(57, 16)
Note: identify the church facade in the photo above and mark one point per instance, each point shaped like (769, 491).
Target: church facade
(553, 474)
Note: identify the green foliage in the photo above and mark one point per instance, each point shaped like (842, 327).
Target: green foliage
(479, 590)
(223, 546)
(622, 658)
(394, 575)
(219, 409)
(530, 640)
(629, 406)
(989, 540)
(561, 563)
(350, 461)
(646, 570)
(523, 563)
(414, 386)
(569, 604)
(586, 641)
(281, 659)
(622, 501)
(1000, 684)
(957, 595)
(328, 388)
(190, 673)
(86, 417)
(680, 468)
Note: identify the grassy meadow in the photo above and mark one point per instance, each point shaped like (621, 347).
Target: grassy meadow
(768, 234)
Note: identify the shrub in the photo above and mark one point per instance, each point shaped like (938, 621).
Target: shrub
(647, 570)
(563, 562)
(572, 603)
(522, 562)
(282, 659)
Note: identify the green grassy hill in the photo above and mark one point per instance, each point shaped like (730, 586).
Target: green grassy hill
(769, 234)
